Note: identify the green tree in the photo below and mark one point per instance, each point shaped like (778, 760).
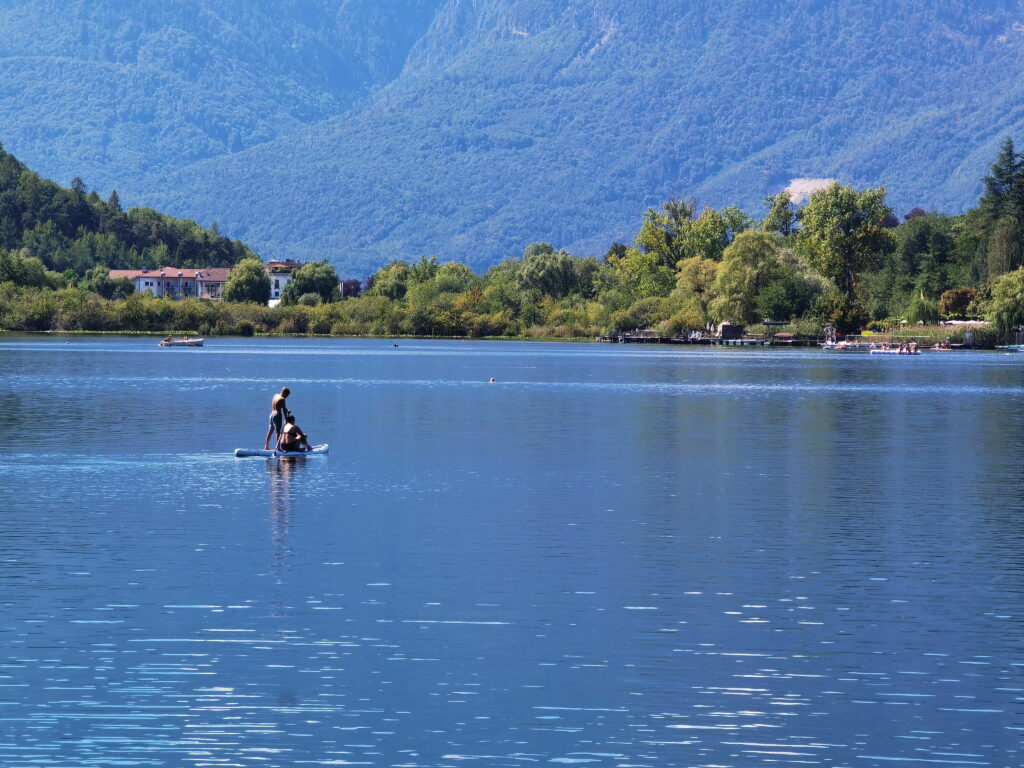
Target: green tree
(786, 297)
(316, 277)
(736, 221)
(663, 232)
(781, 216)
(696, 285)
(423, 271)
(501, 290)
(615, 251)
(707, 237)
(1006, 310)
(843, 233)
(644, 313)
(748, 265)
(642, 274)
(452, 277)
(1004, 247)
(1004, 186)
(1001, 212)
(675, 233)
(956, 301)
(922, 310)
(248, 282)
(391, 280)
(547, 271)
(25, 270)
(98, 281)
(47, 244)
(833, 307)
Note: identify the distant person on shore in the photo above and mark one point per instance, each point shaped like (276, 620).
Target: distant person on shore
(293, 439)
(278, 410)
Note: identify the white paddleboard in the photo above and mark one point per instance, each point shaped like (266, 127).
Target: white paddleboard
(317, 450)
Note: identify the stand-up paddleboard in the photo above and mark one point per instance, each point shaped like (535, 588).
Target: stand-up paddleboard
(317, 450)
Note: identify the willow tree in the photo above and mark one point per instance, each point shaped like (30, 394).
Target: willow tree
(1006, 312)
(1004, 247)
(696, 285)
(248, 282)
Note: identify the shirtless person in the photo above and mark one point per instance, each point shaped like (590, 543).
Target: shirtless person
(278, 411)
(293, 439)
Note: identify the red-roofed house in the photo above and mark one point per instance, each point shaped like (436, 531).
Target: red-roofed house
(177, 283)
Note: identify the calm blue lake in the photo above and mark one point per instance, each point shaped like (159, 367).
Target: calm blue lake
(612, 556)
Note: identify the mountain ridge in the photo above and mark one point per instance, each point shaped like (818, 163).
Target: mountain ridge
(490, 124)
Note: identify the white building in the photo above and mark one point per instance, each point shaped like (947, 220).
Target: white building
(280, 273)
(177, 283)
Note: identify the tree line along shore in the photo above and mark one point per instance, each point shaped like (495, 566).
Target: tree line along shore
(841, 257)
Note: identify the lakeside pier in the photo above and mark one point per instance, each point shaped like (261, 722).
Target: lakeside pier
(640, 337)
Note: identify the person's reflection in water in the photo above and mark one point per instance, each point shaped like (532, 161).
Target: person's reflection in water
(280, 472)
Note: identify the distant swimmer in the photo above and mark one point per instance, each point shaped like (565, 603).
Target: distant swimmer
(278, 410)
(492, 380)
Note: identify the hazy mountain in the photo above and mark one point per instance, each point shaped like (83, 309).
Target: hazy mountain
(111, 90)
(380, 129)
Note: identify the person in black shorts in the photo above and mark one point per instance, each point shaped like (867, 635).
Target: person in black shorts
(293, 439)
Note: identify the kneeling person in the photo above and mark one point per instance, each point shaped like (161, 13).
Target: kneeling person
(293, 439)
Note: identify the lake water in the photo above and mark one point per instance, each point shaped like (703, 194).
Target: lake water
(611, 556)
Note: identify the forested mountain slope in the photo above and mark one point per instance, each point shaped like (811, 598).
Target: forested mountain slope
(112, 90)
(469, 129)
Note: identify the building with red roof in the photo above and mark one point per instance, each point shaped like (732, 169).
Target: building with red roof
(177, 282)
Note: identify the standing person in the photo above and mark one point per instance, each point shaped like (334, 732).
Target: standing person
(293, 439)
(278, 410)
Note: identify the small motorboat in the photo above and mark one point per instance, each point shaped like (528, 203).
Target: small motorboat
(187, 341)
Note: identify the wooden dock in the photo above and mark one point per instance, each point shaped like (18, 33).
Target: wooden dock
(706, 341)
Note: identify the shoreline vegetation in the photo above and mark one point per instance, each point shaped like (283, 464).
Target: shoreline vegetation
(985, 337)
(840, 258)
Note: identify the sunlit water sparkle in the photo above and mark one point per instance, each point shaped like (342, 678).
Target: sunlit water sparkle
(612, 556)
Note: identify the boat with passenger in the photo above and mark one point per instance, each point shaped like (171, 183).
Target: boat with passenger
(186, 341)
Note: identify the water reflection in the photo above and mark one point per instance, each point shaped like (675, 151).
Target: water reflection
(280, 474)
